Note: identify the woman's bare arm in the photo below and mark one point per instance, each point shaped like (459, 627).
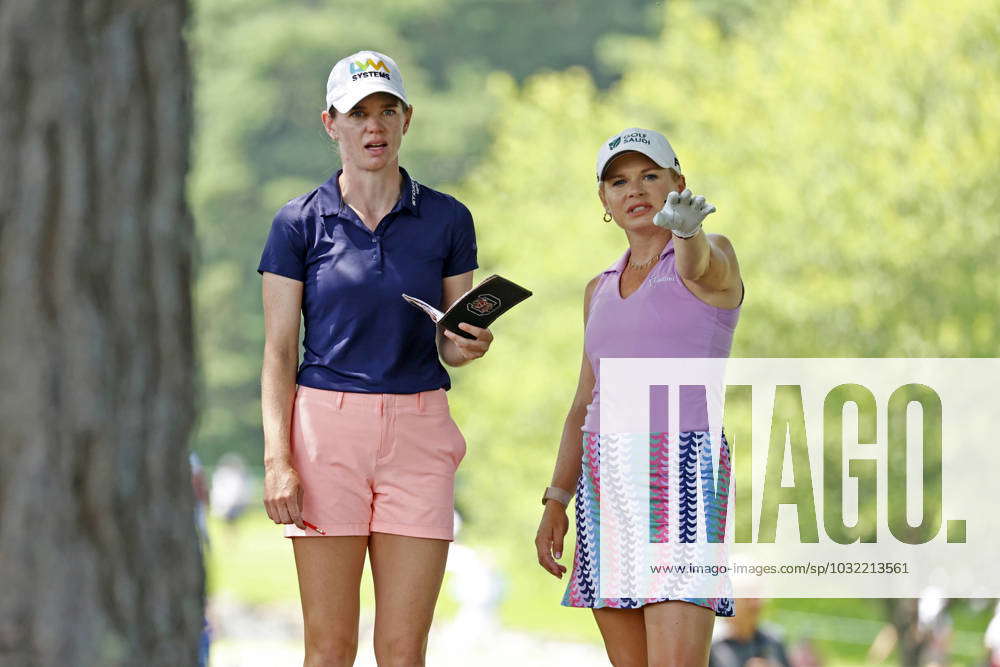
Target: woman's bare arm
(554, 524)
(282, 312)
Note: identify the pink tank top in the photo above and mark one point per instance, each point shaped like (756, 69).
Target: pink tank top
(662, 318)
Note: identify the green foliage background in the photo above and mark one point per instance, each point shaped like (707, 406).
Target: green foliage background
(852, 150)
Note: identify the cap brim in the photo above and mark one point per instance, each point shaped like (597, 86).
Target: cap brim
(621, 151)
(614, 156)
(347, 102)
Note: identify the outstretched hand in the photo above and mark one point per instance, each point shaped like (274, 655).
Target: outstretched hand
(682, 213)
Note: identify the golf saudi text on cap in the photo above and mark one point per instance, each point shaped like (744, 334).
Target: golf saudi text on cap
(650, 143)
(358, 76)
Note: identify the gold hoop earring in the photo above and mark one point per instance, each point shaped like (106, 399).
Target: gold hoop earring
(607, 216)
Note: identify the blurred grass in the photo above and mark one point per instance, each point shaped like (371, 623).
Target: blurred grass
(251, 561)
(533, 605)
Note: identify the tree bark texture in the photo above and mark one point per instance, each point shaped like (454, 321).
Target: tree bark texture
(99, 559)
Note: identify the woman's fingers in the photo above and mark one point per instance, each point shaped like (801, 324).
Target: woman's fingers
(282, 511)
(542, 550)
(547, 544)
(480, 333)
(283, 499)
(299, 521)
(557, 547)
(294, 508)
(463, 344)
(543, 546)
(471, 348)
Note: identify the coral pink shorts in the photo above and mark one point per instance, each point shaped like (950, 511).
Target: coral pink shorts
(380, 463)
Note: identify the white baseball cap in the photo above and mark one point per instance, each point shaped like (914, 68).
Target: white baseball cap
(650, 143)
(359, 75)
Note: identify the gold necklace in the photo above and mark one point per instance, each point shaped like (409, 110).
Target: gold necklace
(640, 267)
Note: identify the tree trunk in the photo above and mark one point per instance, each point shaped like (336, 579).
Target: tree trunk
(99, 559)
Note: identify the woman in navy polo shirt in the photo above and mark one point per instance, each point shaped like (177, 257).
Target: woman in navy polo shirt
(360, 448)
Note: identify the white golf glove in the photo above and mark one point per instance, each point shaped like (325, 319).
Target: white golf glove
(682, 214)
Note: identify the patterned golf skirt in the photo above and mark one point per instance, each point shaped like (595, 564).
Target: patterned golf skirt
(584, 582)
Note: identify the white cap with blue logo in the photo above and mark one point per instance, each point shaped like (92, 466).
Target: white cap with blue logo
(650, 143)
(359, 75)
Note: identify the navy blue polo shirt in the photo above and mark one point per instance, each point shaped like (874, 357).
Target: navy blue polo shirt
(360, 335)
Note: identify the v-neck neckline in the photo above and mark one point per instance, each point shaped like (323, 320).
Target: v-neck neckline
(645, 279)
(621, 275)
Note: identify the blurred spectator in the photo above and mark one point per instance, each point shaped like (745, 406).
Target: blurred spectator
(230, 488)
(477, 586)
(926, 628)
(992, 639)
(804, 654)
(935, 627)
(200, 489)
(746, 644)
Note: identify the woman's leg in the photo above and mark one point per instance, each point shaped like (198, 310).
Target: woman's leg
(408, 573)
(624, 633)
(329, 578)
(678, 634)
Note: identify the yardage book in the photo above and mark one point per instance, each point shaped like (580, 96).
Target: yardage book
(479, 306)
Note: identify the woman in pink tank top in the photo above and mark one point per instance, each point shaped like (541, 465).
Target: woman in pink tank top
(675, 292)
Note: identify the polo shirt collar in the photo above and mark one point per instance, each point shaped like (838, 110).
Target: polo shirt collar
(411, 193)
(619, 266)
(332, 203)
